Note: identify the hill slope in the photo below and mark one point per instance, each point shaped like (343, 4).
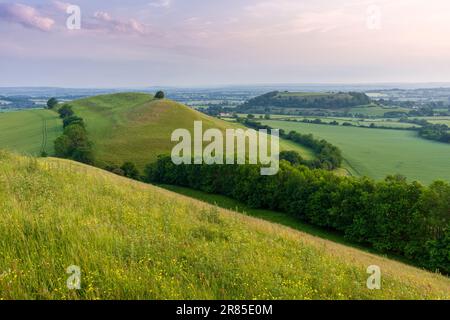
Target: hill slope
(136, 127)
(136, 241)
(29, 131)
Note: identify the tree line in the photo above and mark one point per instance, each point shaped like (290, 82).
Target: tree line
(328, 156)
(430, 131)
(327, 100)
(74, 143)
(391, 216)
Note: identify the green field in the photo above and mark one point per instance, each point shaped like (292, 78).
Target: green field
(439, 120)
(379, 152)
(30, 131)
(376, 111)
(135, 127)
(136, 241)
(381, 122)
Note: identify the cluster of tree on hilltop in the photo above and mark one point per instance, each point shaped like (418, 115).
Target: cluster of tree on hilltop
(278, 99)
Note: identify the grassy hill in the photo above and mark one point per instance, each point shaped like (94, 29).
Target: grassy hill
(378, 152)
(29, 131)
(136, 241)
(136, 127)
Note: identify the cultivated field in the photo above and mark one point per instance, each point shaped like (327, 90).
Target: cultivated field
(30, 131)
(380, 122)
(136, 241)
(379, 152)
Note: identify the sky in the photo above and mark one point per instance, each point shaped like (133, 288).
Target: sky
(142, 43)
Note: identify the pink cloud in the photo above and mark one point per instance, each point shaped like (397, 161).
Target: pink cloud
(61, 6)
(105, 22)
(26, 16)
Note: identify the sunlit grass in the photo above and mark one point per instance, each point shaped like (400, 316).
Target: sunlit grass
(135, 241)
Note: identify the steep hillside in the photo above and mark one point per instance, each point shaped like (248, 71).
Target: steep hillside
(136, 241)
(29, 131)
(136, 127)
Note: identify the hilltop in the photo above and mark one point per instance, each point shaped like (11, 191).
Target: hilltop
(137, 241)
(137, 127)
(277, 100)
(123, 127)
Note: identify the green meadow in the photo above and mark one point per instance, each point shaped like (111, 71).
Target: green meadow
(380, 152)
(29, 131)
(375, 111)
(381, 122)
(136, 241)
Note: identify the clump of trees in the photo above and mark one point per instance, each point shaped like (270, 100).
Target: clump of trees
(130, 170)
(430, 131)
(74, 143)
(391, 216)
(65, 111)
(52, 103)
(159, 95)
(437, 132)
(127, 169)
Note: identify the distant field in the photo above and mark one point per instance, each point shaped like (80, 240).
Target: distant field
(375, 111)
(30, 131)
(384, 122)
(445, 121)
(370, 110)
(380, 152)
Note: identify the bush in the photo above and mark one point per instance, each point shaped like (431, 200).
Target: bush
(65, 111)
(292, 157)
(159, 95)
(130, 170)
(73, 120)
(52, 103)
(74, 144)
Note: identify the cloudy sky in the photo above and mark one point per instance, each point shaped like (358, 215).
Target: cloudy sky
(216, 42)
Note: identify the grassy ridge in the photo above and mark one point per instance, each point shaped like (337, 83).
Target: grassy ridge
(378, 153)
(135, 241)
(30, 131)
(135, 127)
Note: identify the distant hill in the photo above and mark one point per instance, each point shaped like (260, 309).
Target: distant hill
(304, 100)
(124, 127)
(136, 127)
(136, 241)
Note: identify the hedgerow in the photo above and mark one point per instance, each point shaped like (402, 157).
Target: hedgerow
(391, 216)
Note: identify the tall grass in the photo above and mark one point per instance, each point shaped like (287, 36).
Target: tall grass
(134, 241)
